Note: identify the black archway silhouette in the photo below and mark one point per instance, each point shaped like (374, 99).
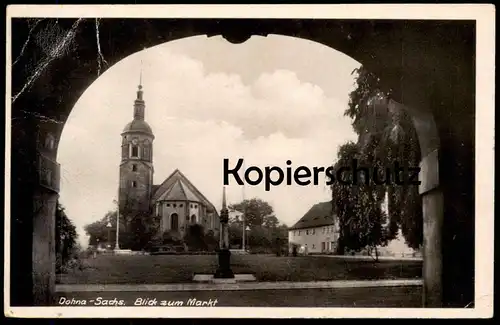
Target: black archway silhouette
(427, 66)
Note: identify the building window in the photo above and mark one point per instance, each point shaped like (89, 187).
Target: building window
(299, 232)
(134, 151)
(134, 167)
(193, 219)
(313, 246)
(187, 218)
(174, 205)
(168, 204)
(196, 206)
(314, 231)
(134, 184)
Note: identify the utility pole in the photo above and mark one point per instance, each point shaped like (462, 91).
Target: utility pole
(243, 246)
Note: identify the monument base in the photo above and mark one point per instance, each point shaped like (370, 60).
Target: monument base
(209, 278)
(122, 251)
(224, 269)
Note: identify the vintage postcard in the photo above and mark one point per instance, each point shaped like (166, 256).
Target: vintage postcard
(245, 160)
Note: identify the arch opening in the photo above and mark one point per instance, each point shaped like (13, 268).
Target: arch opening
(425, 125)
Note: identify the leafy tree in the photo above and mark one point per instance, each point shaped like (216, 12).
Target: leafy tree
(195, 238)
(66, 237)
(359, 206)
(235, 233)
(386, 136)
(211, 241)
(265, 228)
(137, 229)
(99, 231)
(259, 236)
(256, 211)
(271, 222)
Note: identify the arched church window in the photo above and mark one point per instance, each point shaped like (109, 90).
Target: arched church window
(134, 167)
(193, 219)
(174, 221)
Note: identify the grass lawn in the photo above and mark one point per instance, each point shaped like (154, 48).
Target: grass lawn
(143, 269)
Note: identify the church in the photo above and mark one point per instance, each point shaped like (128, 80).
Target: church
(176, 201)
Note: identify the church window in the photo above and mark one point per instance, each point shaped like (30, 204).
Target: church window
(134, 184)
(135, 151)
(187, 218)
(180, 205)
(196, 206)
(168, 204)
(134, 167)
(174, 205)
(193, 219)
(174, 221)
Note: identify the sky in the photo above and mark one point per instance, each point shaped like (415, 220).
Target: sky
(268, 100)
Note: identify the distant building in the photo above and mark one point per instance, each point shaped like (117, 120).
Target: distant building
(317, 231)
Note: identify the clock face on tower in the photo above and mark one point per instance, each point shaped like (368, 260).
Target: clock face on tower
(134, 142)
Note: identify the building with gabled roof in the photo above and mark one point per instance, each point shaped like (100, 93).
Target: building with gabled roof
(176, 201)
(317, 231)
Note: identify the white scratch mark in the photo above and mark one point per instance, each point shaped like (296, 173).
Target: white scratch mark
(100, 57)
(55, 52)
(42, 117)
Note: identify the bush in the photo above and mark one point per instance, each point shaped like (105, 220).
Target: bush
(66, 246)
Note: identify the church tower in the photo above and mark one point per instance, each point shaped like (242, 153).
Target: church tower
(136, 167)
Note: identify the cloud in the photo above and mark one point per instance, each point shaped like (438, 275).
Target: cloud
(177, 85)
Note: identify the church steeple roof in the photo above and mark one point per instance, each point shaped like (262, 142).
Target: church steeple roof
(139, 104)
(138, 124)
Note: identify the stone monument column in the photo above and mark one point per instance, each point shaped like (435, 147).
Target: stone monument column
(224, 254)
